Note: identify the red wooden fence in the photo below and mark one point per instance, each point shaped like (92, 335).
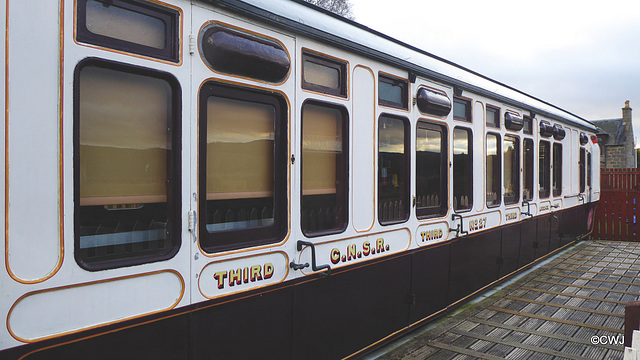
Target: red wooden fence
(619, 179)
(617, 215)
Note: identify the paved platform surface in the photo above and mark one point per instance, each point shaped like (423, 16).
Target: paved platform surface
(570, 307)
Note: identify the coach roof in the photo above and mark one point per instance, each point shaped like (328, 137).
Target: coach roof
(316, 23)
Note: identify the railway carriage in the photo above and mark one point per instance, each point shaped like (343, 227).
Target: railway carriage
(223, 179)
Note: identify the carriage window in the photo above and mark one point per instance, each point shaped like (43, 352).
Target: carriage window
(493, 117)
(527, 127)
(462, 169)
(589, 170)
(393, 92)
(324, 169)
(527, 192)
(557, 169)
(493, 171)
(461, 109)
(323, 74)
(544, 168)
(511, 154)
(139, 27)
(393, 170)
(127, 153)
(243, 167)
(581, 166)
(431, 170)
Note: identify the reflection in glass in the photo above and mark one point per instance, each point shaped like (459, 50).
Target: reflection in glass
(323, 169)
(392, 170)
(124, 123)
(544, 168)
(493, 194)
(527, 191)
(462, 169)
(461, 109)
(493, 117)
(557, 169)
(511, 155)
(431, 166)
(240, 143)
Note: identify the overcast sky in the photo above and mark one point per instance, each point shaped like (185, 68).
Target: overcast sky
(583, 56)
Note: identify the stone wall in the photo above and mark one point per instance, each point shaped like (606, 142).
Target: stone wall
(615, 156)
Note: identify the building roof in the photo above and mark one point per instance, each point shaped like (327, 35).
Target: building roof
(611, 131)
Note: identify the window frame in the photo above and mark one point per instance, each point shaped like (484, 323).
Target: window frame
(466, 169)
(394, 81)
(510, 200)
(497, 170)
(527, 125)
(218, 241)
(169, 16)
(332, 63)
(407, 171)
(582, 169)
(425, 212)
(344, 168)
(497, 112)
(528, 168)
(588, 166)
(556, 174)
(544, 191)
(174, 166)
(467, 102)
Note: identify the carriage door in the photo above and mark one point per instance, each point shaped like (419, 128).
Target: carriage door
(242, 76)
(431, 181)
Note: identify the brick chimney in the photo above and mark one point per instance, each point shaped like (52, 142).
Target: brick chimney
(628, 122)
(626, 112)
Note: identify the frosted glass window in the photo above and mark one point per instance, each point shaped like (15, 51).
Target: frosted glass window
(324, 74)
(132, 26)
(321, 75)
(124, 24)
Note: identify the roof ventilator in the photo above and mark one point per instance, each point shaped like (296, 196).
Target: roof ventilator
(558, 132)
(432, 102)
(513, 122)
(546, 130)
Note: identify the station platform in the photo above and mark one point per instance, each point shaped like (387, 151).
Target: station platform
(571, 306)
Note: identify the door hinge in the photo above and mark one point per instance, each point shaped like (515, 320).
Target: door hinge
(412, 299)
(192, 44)
(193, 220)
